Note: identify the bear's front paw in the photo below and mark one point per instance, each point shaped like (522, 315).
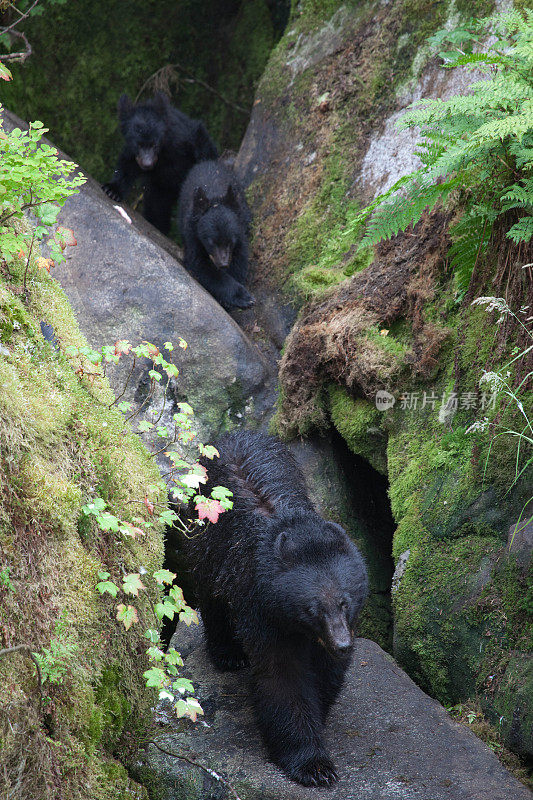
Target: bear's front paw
(111, 191)
(229, 663)
(318, 771)
(242, 298)
(227, 659)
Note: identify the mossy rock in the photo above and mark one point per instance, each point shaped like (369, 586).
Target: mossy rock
(60, 446)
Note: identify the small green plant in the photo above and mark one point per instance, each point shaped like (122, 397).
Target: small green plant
(55, 661)
(182, 483)
(479, 144)
(501, 384)
(33, 179)
(5, 580)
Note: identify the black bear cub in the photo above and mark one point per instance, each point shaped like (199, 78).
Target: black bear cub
(161, 144)
(215, 222)
(279, 588)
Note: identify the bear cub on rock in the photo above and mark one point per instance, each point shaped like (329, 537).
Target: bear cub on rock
(161, 144)
(215, 223)
(278, 588)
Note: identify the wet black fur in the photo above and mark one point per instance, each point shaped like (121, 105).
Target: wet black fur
(266, 575)
(213, 214)
(176, 141)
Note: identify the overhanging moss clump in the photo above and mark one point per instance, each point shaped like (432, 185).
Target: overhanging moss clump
(61, 445)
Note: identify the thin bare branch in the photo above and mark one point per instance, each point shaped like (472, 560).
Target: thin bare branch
(194, 763)
(25, 648)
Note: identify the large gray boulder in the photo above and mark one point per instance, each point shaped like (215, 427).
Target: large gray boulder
(124, 280)
(390, 741)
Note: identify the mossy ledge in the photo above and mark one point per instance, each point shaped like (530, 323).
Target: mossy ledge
(60, 445)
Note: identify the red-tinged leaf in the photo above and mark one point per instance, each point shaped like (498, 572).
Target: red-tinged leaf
(122, 346)
(164, 576)
(210, 509)
(5, 74)
(128, 529)
(45, 263)
(65, 237)
(149, 505)
(21, 253)
(151, 349)
(127, 615)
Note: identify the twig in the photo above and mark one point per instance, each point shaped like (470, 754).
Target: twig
(24, 648)
(194, 763)
(125, 385)
(19, 20)
(192, 79)
(27, 266)
(23, 55)
(147, 398)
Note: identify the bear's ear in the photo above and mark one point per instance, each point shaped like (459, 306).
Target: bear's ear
(200, 203)
(339, 536)
(231, 199)
(284, 549)
(160, 103)
(125, 106)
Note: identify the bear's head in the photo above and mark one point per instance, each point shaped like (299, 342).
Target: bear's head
(143, 127)
(318, 582)
(218, 225)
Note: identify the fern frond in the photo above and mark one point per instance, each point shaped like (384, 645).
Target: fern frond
(522, 231)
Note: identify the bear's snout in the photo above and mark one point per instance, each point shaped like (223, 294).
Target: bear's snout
(221, 256)
(339, 638)
(146, 159)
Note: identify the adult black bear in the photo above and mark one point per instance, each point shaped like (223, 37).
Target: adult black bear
(161, 144)
(280, 588)
(215, 222)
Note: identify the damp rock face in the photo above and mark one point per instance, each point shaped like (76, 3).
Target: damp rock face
(124, 280)
(321, 144)
(390, 741)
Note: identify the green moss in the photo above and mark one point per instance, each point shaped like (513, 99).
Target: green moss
(59, 441)
(438, 647)
(359, 424)
(225, 46)
(114, 707)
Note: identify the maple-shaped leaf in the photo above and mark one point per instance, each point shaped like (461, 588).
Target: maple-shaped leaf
(188, 708)
(208, 451)
(165, 576)
(186, 436)
(149, 505)
(151, 349)
(173, 657)
(127, 615)
(122, 346)
(132, 584)
(155, 677)
(65, 237)
(107, 586)
(155, 653)
(209, 509)
(188, 616)
(195, 477)
(45, 263)
(127, 529)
